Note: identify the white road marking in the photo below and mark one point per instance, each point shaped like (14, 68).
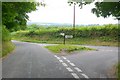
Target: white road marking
(72, 64)
(75, 75)
(69, 69)
(58, 58)
(76, 68)
(68, 61)
(85, 76)
(55, 56)
(64, 57)
(61, 60)
(64, 64)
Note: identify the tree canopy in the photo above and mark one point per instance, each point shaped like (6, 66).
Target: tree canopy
(104, 8)
(14, 14)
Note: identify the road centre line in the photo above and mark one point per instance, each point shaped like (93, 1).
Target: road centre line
(64, 57)
(72, 64)
(75, 75)
(69, 69)
(61, 61)
(64, 64)
(76, 68)
(85, 76)
(68, 61)
(55, 56)
(58, 58)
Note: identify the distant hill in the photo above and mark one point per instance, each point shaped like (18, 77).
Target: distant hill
(49, 24)
(59, 24)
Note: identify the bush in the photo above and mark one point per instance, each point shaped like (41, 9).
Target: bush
(7, 45)
(5, 34)
(105, 33)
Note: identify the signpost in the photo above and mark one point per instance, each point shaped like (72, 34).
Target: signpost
(66, 36)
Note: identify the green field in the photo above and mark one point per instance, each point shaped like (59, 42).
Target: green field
(106, 35)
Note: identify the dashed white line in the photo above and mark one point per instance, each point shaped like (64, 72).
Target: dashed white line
(68, 61)
(58, 58)
(61, 60)
(64, 57)
(69, 69)
(75, 75)
(85, 76)
(72, 64)
(76, 68)
(64, 64)
(55, 56)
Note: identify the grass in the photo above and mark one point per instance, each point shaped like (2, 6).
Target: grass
(81, 41)
(7, 47)
(118, 71)
(105, 35)
(66, 48)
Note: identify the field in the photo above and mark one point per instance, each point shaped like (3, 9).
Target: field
(105, 35)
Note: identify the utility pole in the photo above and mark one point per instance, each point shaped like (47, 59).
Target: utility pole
(74, 3)
(74, 20)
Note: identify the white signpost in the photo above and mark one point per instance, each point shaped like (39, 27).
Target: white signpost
(68, 36)
(63, 34)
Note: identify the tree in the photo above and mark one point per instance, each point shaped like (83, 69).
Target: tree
(105, 9)
(14, 14)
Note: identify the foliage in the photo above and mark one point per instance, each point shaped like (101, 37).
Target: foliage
(118, 71)
(14, 14)
(106, 9)
(67, 48)
(7, 45)
(83, 32)
(5, 34)
(93, 35)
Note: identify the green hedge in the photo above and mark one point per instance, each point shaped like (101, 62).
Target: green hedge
(105, 32)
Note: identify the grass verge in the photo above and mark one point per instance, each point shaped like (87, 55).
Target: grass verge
(7, 47)
(81, 41)
(66, 48)
(118, 71)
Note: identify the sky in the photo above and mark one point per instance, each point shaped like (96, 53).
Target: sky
(59, 11)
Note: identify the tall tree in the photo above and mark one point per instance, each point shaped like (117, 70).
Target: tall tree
(14, 14)
(104, 8)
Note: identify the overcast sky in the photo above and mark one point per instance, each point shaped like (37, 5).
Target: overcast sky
(58, 11)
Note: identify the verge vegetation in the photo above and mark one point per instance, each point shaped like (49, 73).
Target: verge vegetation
(7, 45)
(66, 48)
(106, 35)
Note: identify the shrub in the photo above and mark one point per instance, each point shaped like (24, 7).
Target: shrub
(5, 34)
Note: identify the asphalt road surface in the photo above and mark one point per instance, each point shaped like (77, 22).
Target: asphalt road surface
(32, 60)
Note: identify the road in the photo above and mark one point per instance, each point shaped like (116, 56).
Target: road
(32, 60)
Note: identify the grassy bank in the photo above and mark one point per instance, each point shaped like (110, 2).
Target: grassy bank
(106, 35)
(66, 48)
(7, 46)
(118, 71)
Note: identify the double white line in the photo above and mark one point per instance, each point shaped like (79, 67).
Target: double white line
(69, 69)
